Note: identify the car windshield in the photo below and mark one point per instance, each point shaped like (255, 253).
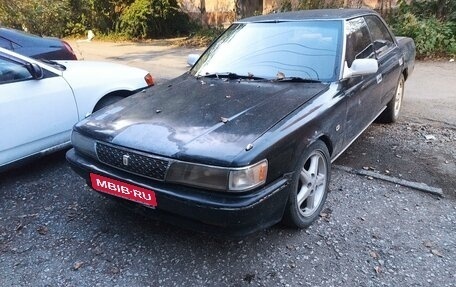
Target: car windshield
(275, 50)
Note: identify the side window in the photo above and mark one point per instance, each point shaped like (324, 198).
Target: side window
(359, 45)
(11, 71)
(380, 35)
(5, 44)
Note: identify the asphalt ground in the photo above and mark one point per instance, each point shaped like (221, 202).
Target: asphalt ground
(55, 231)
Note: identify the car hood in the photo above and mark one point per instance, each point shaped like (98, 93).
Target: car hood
(91, 73)
(202, 120)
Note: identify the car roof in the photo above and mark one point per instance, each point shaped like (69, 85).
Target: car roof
(26, 39)
(318, 14)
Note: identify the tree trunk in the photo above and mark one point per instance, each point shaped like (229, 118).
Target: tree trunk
(441, 9)
(202, 9)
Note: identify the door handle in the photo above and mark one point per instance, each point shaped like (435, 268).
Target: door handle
(379, 78)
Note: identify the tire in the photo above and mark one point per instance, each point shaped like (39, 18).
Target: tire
(106, 101)
(309, 187)
(391, 113)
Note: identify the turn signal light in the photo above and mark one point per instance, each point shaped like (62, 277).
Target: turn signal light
(149, 80)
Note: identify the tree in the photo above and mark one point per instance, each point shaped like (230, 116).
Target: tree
(36, 16)
(153, 18)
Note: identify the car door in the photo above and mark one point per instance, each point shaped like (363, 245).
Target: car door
(362, 92)
(388, 56)
(35, 114)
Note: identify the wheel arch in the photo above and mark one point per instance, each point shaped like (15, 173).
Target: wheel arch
(327, 141)
(111, 95)
(405, 73)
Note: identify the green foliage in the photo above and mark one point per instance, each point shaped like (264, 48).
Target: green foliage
(122, 18)
(423, 9)
(289, 5)
(135, 20)
(433, 29)
(36, 16)
(153, 18)
(203, 37)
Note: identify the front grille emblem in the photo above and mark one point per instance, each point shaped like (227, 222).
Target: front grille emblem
(126, 159)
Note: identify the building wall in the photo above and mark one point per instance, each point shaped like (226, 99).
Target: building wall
(223, 12)
(274, 5)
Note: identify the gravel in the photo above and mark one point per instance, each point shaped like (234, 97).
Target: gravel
(55, 231)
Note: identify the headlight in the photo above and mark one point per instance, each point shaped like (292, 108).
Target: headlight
(83, 144)
(218, 178)
(198, 175)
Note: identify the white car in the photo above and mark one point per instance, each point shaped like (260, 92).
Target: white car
(40, 102)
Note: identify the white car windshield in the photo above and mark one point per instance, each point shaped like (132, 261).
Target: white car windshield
(274, 50)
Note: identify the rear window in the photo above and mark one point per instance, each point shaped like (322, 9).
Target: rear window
(382, 39)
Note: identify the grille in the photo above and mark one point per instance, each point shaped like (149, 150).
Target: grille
(136, 163)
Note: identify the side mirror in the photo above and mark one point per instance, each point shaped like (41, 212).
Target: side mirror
(192, 58)
(35, 70)
(360, 67)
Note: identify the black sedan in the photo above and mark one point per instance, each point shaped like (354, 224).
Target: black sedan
(34, 46)
(246, 138)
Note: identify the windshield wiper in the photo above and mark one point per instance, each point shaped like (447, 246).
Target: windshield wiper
(297, 79)
(54, 63)
(229, 75)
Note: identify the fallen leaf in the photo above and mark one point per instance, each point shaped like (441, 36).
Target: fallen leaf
(19, 226)
(430, 137)
(374, 254)
(326, 214)
(378, 269)
(427, 243)
(78, 265)
(436, 252)
(43, 230)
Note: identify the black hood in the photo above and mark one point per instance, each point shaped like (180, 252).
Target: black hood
(206, 120)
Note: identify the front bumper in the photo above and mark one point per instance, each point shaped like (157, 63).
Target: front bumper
(224, 214)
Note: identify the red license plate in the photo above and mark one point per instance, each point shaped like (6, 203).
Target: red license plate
(124, 190)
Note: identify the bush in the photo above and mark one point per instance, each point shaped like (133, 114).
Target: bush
(40, 17)
(419, 20)
(203, 37)
(156, 18)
